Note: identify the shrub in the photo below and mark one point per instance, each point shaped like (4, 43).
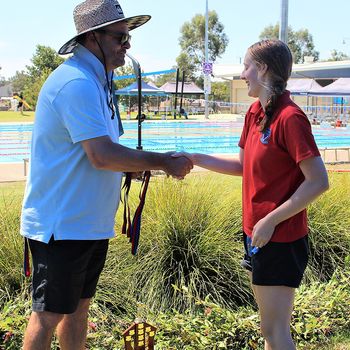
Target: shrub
(321, 310)
(190, 238)
(11, 246)
(187, 274)
(329, 224)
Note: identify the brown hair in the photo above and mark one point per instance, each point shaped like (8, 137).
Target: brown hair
(278, 59)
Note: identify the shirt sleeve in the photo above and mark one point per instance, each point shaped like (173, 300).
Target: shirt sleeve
(298, 138)
(79, 105)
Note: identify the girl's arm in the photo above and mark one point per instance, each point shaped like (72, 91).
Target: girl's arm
(218, 163)
(315, 183)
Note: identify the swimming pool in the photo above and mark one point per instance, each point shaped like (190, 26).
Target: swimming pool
(162, 136)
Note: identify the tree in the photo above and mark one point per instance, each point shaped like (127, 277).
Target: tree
(300, 42)
(192, 43)
(220, 91)
(121, 71)
(33, 86)
(187, 63)
(161, 79)
(19, 81)
(2, 79)
(45, 59)
(338, 56)
(119, 84)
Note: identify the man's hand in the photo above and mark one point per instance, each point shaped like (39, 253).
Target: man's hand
(177, 167)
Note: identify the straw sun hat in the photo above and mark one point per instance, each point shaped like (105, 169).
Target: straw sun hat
(95, 14)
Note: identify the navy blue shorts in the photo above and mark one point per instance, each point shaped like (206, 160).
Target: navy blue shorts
(65, 272)
(277, 264)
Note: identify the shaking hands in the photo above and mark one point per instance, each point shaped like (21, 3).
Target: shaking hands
(177, 165)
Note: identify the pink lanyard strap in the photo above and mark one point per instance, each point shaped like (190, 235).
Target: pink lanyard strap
(133, 229)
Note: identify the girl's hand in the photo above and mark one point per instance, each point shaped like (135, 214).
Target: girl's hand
(189, 156)
(262, 232)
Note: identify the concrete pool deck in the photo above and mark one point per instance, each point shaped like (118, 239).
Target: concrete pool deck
(11, 172)
(14, 172)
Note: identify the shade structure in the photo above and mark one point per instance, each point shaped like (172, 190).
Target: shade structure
(189, 88)
(302, 86)
(147, 90)
(340, 87)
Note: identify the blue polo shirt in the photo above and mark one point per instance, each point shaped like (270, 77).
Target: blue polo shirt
(66, 197)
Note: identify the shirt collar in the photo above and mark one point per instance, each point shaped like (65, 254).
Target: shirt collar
(283, 99)
(92, 63)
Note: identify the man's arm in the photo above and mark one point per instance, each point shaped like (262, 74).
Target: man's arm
(107, 155)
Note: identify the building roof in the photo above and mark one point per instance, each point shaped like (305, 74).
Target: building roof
(315, 70)
(6, 90)
(189, 88)
(322, 70)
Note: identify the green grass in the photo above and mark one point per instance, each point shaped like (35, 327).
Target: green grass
(337, 342)
(16, 117)
(329, 223)
(11, 243)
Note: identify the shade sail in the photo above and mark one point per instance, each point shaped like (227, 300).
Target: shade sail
(302, 86)
(189, 88)
(147, 90)
(340, 87)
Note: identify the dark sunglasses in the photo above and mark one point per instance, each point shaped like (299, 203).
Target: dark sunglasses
(123, 38)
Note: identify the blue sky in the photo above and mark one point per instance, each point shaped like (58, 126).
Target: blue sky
(24, 24)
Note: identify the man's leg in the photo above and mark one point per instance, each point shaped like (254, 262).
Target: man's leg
(40, 329)
(71, 331)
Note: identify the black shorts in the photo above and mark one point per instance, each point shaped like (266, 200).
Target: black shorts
(65, 272)
(277, 264)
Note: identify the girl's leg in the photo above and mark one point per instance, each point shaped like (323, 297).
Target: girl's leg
(275, 307)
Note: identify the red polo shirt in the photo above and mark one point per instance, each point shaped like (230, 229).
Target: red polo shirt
(271, 173)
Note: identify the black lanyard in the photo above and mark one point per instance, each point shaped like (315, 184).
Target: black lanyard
(26, 263)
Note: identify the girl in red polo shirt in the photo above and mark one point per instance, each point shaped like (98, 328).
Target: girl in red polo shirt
(282, 173)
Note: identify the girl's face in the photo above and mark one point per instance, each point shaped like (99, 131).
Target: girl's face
(254, 75)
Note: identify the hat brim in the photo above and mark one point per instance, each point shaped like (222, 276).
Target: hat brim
(133, 22)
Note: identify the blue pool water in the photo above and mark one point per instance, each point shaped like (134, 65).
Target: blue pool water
(162, 136)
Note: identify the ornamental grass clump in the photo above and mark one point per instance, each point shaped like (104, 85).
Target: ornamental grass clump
(11, 246)
(329, 226)
(191, 240)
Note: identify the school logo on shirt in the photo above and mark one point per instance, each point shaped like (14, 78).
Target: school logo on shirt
(265, 136)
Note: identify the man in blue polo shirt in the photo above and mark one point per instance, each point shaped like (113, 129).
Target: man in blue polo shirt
(75, 174)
